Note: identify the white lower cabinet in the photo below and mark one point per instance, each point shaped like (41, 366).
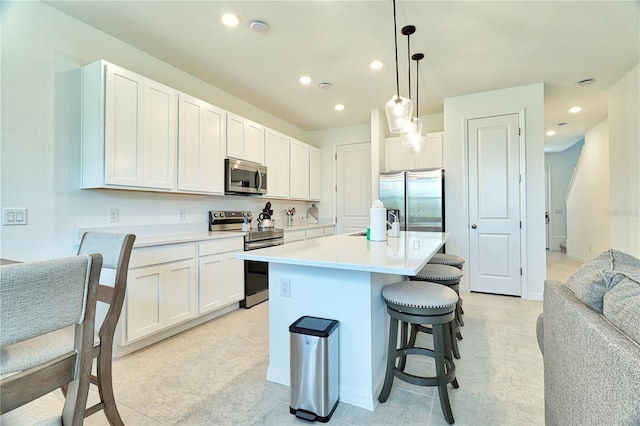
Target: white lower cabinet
(221, 275)
(161, 289)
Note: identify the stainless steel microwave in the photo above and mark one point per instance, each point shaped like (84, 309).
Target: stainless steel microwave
(244, 177)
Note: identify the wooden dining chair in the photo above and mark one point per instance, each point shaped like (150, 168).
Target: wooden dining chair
(116, 252)
(38, 299)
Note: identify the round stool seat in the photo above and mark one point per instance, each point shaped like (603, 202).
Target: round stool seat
(443, 274)
(447, 259)
(422, 295)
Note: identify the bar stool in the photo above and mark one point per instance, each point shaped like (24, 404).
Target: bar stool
(449, 276)
(450, 260)
(447, 259)
(418, 303)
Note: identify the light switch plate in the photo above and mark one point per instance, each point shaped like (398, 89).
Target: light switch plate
(14, 216)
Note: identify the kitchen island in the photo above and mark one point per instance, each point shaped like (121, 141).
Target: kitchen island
(341, 277)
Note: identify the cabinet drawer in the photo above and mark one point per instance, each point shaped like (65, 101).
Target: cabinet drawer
(314, 233)
(221, 246)
(330, 230)
(161, 254)
(290, 236)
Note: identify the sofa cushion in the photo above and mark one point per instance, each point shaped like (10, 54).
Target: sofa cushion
(621, 304)
(588, 283)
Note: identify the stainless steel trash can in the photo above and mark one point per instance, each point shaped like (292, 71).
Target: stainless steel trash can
(314, 368)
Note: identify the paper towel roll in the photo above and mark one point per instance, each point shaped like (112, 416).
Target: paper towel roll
(378, 223)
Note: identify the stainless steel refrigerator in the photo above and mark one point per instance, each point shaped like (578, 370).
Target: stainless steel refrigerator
(417, 196)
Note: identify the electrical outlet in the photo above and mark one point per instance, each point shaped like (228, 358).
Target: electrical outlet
(114, 215)
(14, 216)
(181, 214)
(285, 287)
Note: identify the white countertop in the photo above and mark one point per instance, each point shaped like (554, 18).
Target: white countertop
(404, 255)
(306, 226)
(155, 235)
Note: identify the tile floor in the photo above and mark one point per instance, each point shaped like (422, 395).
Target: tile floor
(215, 374)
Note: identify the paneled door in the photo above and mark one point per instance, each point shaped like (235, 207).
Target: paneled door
(494, 205)
(353, 189)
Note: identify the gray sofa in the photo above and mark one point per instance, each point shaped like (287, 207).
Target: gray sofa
(589, 333)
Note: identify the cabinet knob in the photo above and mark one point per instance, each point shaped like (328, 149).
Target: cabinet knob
(473, 226)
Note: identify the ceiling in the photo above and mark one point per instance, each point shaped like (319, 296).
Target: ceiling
(469, 47)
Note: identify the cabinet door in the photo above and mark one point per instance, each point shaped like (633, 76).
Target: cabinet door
(299, 170)
(124, 146)
(254, 142)
(235, 136)
(245, 139)
(432, 157)
(397, 156)
(211, 282)
(221, 281)
(159, 136)
(233, 273)
(179, 292)
(144, 301)
(139, 130)
(276, 158)
(201, 139)
(315, 173)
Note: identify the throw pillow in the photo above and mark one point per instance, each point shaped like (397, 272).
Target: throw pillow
(621, 304)
(587, 282)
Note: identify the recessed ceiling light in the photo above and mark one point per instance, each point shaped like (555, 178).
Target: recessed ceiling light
(339, 107)
(230, 20)
(325, 85)
(551, 132)
(376, 65)
(575, 109)
(259, 27)
(585, 82)
(305, 79)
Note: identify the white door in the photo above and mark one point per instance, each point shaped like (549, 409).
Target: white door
(353, 191)
(494, 205)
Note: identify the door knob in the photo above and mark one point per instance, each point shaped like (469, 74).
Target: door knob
(473, 226)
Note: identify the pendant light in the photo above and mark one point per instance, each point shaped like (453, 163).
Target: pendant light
(412, 126)
(417, 140)
(398, 109)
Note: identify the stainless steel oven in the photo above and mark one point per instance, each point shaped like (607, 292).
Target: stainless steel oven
(244, 178)
(256, 274)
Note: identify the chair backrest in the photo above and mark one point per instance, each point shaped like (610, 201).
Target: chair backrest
(116, 252)
(37, 298)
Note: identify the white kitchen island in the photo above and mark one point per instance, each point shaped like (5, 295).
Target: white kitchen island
(341, 277)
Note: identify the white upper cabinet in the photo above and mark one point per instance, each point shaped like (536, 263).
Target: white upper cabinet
(276, 158)
(315, 173)
(299, 169)
(201, 146)
(245, 139)
(400, 157)
(128, 130)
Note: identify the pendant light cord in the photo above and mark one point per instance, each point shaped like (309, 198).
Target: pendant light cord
(395, 37)
(417, 87)
(409, 61)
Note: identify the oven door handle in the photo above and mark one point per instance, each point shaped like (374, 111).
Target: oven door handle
(269, 243)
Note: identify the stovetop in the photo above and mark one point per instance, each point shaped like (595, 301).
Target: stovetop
(233, 220)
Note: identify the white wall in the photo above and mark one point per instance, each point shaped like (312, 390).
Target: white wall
(42, 52)
(529, 101)
(588, 232)
(561, 167)
(624, 162)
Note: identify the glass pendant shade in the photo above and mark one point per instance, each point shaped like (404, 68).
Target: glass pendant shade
(399, 111)
(412, 132)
